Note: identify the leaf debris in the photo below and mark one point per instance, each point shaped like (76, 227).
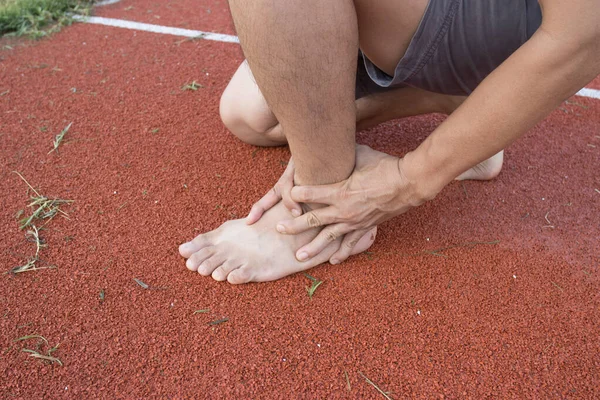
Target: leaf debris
(315, 284)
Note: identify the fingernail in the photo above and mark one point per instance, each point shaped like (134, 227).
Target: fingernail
(280, 228)
(335, 261)
(295, 213)
(302, 256)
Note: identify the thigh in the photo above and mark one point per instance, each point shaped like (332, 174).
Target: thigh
(386, 27)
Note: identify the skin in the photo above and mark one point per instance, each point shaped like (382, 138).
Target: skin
(371, 186)
(560, 58)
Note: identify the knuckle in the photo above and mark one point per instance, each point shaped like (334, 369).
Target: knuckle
(350, 244)
(277, 190)
(312, 220)
(331, 235)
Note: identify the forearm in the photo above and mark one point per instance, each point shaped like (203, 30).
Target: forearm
(303, 56)
(517, 95)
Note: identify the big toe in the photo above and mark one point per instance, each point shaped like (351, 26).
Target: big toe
(187, 249)
(365, 242)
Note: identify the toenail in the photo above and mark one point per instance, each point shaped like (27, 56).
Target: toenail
(335, 261)
(302, 256)
(280, 229)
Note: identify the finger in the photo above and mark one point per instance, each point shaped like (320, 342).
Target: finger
(325, 194)
(262, 205)
(312, 219)
(321, 241)
(348, 244)
(287, 183)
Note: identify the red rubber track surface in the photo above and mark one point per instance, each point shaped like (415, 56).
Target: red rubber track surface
(519, 318)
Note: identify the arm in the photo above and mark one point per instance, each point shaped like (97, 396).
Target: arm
(560, 58)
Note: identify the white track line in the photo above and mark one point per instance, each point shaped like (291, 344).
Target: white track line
(166, 30)
(105, 3)
(219, 37)
(587, 92)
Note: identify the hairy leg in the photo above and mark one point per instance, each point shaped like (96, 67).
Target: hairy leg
(314, 104)
(246, 113)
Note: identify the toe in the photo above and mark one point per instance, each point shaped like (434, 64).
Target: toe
(210, 264)
(365, 242)
(239, 276)
(198, 257)
(189, 248)
(221, 273)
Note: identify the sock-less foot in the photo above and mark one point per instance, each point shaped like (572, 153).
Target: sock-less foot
(486, 170)
(241, 253)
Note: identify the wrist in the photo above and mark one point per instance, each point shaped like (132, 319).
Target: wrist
(424, 178)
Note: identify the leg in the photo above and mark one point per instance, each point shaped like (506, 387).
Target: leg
(245, 112)
(315, 107)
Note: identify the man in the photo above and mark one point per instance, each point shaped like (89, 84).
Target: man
(516, 60)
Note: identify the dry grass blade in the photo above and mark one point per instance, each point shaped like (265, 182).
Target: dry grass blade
(219, 321)
(192, 86)
(59, 138)
(35, 354)
(44, 207)
(141, 283)
(31, 263)
(370, 382)
(31, 337)
(347, 381)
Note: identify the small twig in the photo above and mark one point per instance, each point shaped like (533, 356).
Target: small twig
(385, 394)
(201, 311)
(219, 321)
(561, 289)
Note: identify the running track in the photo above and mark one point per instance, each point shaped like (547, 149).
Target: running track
(150, 165)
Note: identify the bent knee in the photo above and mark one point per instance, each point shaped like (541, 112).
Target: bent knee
(248, 118)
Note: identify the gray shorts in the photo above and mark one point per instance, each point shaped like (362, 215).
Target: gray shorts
(457, 44)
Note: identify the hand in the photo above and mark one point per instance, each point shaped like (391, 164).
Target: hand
(377, 190)
(281, 191)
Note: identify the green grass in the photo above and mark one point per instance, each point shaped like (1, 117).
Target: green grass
(39, 18)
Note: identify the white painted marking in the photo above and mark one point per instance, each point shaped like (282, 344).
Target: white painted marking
(166, 30)
(586, 92)
(218, 37)
(106, 3)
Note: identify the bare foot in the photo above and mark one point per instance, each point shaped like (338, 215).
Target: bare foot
(484, 171)
(241, 253)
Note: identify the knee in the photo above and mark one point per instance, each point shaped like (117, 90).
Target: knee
(245, 120)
